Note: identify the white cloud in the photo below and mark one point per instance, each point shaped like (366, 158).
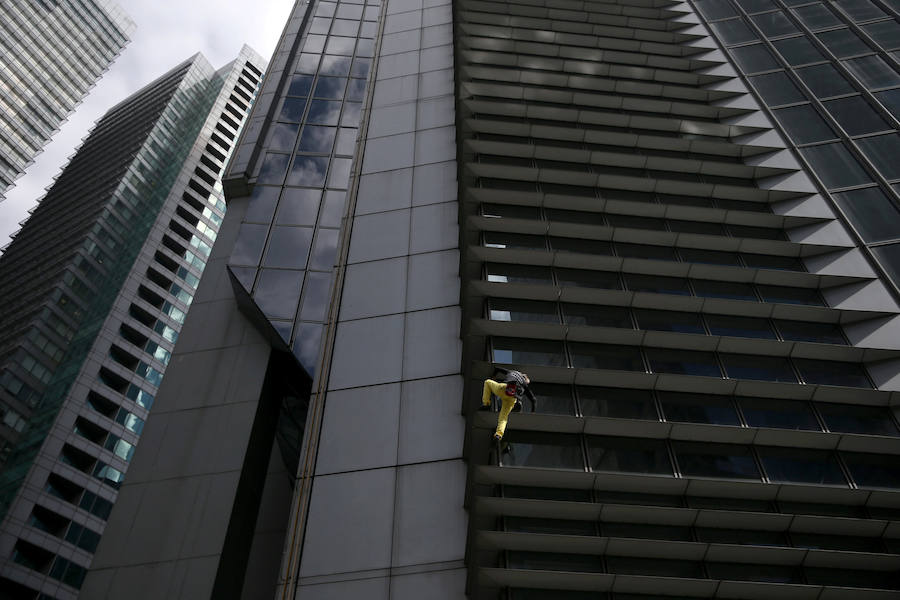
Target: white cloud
(168, 32)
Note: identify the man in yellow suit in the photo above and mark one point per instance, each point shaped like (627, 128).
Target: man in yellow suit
(510, 391)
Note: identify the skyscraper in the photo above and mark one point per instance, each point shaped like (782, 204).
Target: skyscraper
(95, 288)
(51, 54)
(646, 206)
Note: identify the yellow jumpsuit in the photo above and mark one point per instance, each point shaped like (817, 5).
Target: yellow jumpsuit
(499, 390)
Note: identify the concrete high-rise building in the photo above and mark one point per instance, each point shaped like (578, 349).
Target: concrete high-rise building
(678, 218)
(95, 288)
(51, 54)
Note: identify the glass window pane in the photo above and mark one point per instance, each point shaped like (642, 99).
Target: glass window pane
(292, 109)
(547, 561)
(889, 257)
(324, 112)
(316, 296)
(850, 543)
(511, 211)
(886, 33)
(801, 466)
(843, 43)
(347, 27)
(873, 470)
(494, 239)
(657, 284)
(632, 455)
(575, 216)
(755, 58)
(830, 372)
(591, 279)
(249, 245)
(790, 295)
(755, 572)
(798, 51)
(601, 356)
(582, 246)
(805, 331)
(645, 251)
(634, 222)
(273, 168)
(513, 351)
(330, 87)
(668, 320)
(752, 6)
(803, 124)
(356, 91)
(716, 9)
(308, 171)
(696, 227)
(333, 209)
(739, 326)
(715, 460)
(764, 368)
(597, 316)
(335, 65)
(834, 165)
(507, 273)
(825, 81)
(346, 141)
(768, 261)
(734, 31)
(617, 403)
(873, 72)
(735, 290)
(646, 532)
(860, 10)
(683, 362)
(282, 136)
(817, 16)
(776, 89)
(502, 309)
(743, 537)
(780, 414)
(339, 175)
(300, 85)
(558, 526)
(277, 292)
(849, 418)
(883, 151)
(352, 110)
(553, 399)
(698, 408)
(709, 257)
(855, 115)
(761, 233)
(538, 449)
(308, 63)
(262, 204)
(317, 139)
(324, 251)
(288, 247)
(774, 24)
(298, 207)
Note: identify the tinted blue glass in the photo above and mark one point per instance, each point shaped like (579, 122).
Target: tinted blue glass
(308, 171)
(765, 368)
(292, 109)
(273, 168)
(324, 112)
(683, 362)
(335, 65)
(330, 87)
(361, 67)
(307, 63)
(300, 85)
(317, 139)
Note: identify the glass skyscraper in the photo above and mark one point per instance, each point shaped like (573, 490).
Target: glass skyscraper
(677, 218)
(95, 288)
(51, 54)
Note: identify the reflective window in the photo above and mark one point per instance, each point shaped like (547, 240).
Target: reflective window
(817, 16)
(308, 63)
(511, 211)
(774, 24)
(324, 252)
(834, 165)
(798, 51)
(683, 362)
(338, 66)
(886, 33)
(734, 31)
(657, 284)
(743, 537)
(790, 295)
(539, 449)
(494, 239)
(617, 403)
(645, 251)
(764, 368)
(754, 572)
(646, 532)
(249, 245)
(752, 6)
(805, 331)
(316, 296)
(698, 408)
(851, 543)
(288, 247)
(502, 309)
(339, 175)
(825, 81)
(800, 465)
(346, 141)
(292, 109)
(855, 115)
(667, 320)
(843, 43)
(739, 326)
(590, 279)
(889, 257)
(829, 372)
(755, 58)
(636, 222)
(553, 399)
(552, 526)
(262, 204)
(597, 356)
(883, 151)
(716, 9)
(507, 273)
(273, 168)
(333, 209)
(317, 139)
(308, 171)
(769, 261)
(873, 72)
(300, 85)
(654, 566)
(282, 136)
(632, 455)
(762, 233)
(710, 257)
(356, 91)
(580, 245)
(776, 89)
(780, 414)
(542, 493)
(528, 352)
(575, 216)
(873, 470)
(697, 227)
(698, 459)
(547, 561)
(724, 289)
(277, 292)
(324, 112)
(860, 10)
(597, 316)
(803, 124)
(849, 418)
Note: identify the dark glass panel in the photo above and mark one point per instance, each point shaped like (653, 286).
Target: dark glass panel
(597, 356)
(356, 91)
(843, 43)
(283, 136)
(774, 24)
(657, 284)
(507, 273)
(300, 85)
(646, 532)
(346, 141)
(852, 578)
(883, 151)
(849, 418)
(752, 6)
(547, 561)
(542, 493)
(697, 227)
(348, 27)
(551, 526)
(739, 326)
(634, 498)
(317, 139)
(873, 470)
(698, 408)
(817, 16)
(339, 175)
(582, 246)
(724, 289)
(526, 594)
(591, 279)
(617, 403)
(798, 51)
(745, 504)
(539, 449)
(495, 239)
(860, 10)
(308, 171)
(770, 261)
(632, 455)
(308, 63)
(698, 459)
(502, 309)
(338, 66)
(830, 372)
(765, 368)
(324, 112)
(655, 567)
(835, 166)
(333, 209)
(825, 81)
(805, 331)
(330, 87)
(709, 257)
(668, 320)
(511, 211)
(790, 295)
(801, 465)
(249, 245)
(636, 222)
(847, 543)
(553, 399)
(886, 33)
(292, 110)
(324, 252)
(716, 9)
(288, 247)
(780, 414)
(855, 115)
(273, 168)
(828, 510)
(316, 296)
(528, 352)
(742, 537)
(575, 216)
(683, 362)
(262, 204)
(277, 292)
(889, 257)
(803, 124)
(298, 206)
(754, 572)
(645, 251)
(597, 316)
(873, 72)
(776, 89)
(734, 31)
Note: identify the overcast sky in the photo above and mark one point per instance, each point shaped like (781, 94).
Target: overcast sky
(168, 31)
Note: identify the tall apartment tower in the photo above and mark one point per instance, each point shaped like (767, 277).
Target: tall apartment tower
(94, 289)
(51, 54)
(677, 217)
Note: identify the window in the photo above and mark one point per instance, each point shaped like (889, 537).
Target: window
(765, 368)
(860, 10)
(762, 233)
(657, 284)
(547, 561)
(873, 470)
(834, 165)
(724, 289)
(752, 6)
(683, 362)
(308, 171)
(501, 309)
(551, 526)
(739, 326)
(575, 216)
(553, 399)
(617, 403)
(563, 244)
(817, 16)
(886, 33)
(589, 279)
(754, 572)
(716, 9)
(701, 227)
(883, 150)
(790, 295)
(710, 257)
(873, 72)
(528, 352)
(798, 51)
(632, 455)
(668, 320)
(597, 356)
(743, 537)
(506, 273)
(803, 124)
(494, 239)
(830, 372)
(755, 58)
(698, 408)
(597, 316)
(825, 81)
(734, 31)
(801, 466)
(774, 24)
(855, 115)
(317, 139)
(843, 43)
(850, 418)
(780, 414)
(654, 566)
(715, 460)
(852, 543)
(805, 331)
(277, 292)
(288, 247)
(637, 222)
(539, 449)
(542, 493)
(646, 532)
(776, 89)
(511, 211)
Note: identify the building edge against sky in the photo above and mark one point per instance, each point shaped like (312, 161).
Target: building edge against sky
(98, 310)
(590, 192)
(52, 55)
